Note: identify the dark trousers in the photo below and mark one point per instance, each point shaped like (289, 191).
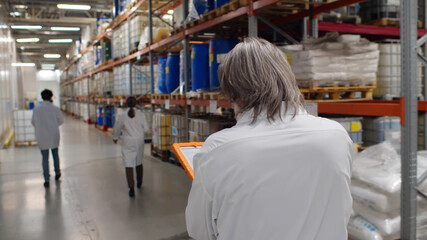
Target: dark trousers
(45, 154)
(129, 176)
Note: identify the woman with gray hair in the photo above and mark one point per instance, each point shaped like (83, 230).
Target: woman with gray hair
(280, 173)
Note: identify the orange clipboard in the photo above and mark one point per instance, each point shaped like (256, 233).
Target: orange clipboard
(185, 153)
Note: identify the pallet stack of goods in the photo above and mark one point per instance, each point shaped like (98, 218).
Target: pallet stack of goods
(178, 132)
(161, 129)
(141, 80)
(87, 61)
(116, 43)
(201, 129)
(347, 14)
(84, 87)
(137, 24)
(124, 40)
(84, 111)
(161, 30)
(380, 12)
(105, 83)
(375, 188)
(146, 110)
(347, 64)
(389, 77)
(122, 79)
(24, 130)
(92, 113)
(380, 129)
(353, 125)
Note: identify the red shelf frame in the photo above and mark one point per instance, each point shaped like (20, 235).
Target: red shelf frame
(363, 29)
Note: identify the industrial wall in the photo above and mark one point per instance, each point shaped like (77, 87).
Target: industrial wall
(8, 78)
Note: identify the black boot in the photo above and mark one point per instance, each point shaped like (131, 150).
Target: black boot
(46, 184)
(131, 192)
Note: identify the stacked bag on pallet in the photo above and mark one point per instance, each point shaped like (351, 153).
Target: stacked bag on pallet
(389, 76)
(161, 129)
(353, 126)
(334, 60)
(375, 187)
(380, 129)
(24, 130)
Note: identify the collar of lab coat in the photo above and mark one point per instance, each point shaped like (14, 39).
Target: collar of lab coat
(246, 117)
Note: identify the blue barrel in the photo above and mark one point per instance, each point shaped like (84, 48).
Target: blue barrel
(100, 118)
(172, 72)
(200, 67)
(109, 116)
(203, 6)
(181, 71)
(31, 105)
(162, 74)
(217, 47)
(219, 3)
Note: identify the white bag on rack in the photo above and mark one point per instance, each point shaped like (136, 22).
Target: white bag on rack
(360, 229)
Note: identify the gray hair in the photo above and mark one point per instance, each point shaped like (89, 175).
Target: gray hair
(256, 75)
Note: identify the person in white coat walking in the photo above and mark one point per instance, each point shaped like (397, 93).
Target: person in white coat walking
(280, 173)
(46, 121)
(130, 129)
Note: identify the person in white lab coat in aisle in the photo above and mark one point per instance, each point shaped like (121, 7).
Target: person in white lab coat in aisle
(279, 173)
(46, 121)
(130, 129)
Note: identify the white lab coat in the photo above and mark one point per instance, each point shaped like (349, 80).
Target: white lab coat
(286, 180)
(131, 133)
(46, 121)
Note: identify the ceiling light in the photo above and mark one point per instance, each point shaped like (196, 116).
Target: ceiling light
(23, 64)
(73, 7)
(170, 12)
(27, 40)
(15, 14)
(68, 40)
(133, 9)
(21, 6)
(26, 27)
(3, 26)
(52, 55)
(48, 66)
(65, 28)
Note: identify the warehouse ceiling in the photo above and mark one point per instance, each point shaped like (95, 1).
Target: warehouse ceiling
(47, 14)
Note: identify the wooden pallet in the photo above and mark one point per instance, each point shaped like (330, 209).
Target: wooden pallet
(161, 96)
(389, 22)
(211, 96)
(162, 154)
(25, 143)
(338, 94)
(120, 97)
(336, 83)
(177, 96)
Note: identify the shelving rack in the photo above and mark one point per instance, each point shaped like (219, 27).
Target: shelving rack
(245, 17)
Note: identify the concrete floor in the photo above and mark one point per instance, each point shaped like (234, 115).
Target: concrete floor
(91, 201)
